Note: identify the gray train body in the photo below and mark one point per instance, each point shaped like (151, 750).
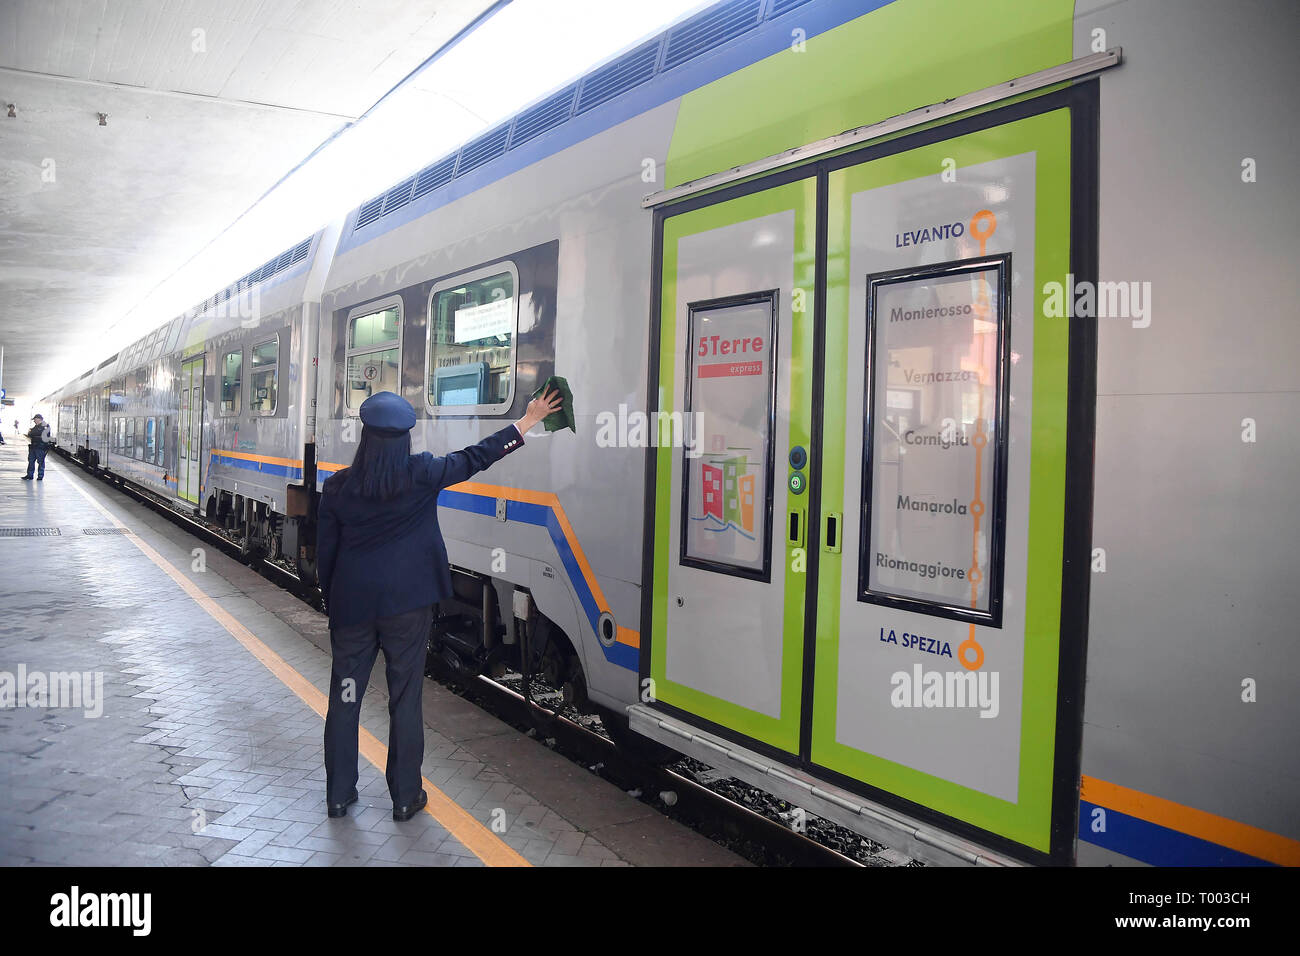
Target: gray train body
(1171, 714)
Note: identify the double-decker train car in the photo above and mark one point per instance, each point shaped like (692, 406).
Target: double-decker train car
(212, 410)
(931, 465)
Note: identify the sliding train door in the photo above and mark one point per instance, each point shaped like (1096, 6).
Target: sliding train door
(942, 486)
(189, 454)
(870, 558)
(735, 352)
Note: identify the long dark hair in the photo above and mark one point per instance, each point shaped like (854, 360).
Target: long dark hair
(381, 468)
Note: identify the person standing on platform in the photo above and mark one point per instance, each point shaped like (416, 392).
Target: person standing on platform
(39, 436)
(382, 565)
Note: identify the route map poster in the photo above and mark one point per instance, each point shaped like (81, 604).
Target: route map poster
(933, 502)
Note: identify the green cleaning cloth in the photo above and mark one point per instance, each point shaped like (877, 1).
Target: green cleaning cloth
(564, 417)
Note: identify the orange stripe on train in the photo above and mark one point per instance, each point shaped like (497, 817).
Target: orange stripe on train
(1242, 837)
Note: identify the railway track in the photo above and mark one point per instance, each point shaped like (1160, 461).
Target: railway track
(756, 836)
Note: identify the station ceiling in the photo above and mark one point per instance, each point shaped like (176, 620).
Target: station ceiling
(206, 104)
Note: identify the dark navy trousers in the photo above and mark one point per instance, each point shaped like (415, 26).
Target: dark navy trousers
(405, 640)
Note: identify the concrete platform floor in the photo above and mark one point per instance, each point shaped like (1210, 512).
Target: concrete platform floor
(187, 728)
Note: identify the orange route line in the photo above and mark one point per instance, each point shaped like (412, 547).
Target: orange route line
(977, 502)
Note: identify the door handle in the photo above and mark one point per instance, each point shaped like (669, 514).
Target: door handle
(831, 532)
(794, 528)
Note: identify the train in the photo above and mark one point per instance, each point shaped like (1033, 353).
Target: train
(933, 455)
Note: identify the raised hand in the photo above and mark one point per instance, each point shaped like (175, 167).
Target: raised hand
(547, 403)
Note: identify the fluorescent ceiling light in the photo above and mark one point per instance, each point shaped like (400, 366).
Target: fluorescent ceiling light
(524, 51)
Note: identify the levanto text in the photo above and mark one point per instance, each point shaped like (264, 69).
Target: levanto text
(949, 230)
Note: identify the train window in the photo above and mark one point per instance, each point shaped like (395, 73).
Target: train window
(117, 395)
(263, 374)
(473, 322)
(137, 448)
(934, 445)
(150, 439)
(195, 423)
(128, 438)
(174, 335)
(728, 455)
(373, 354)
(232, 372)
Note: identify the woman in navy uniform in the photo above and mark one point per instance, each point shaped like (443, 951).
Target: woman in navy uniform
(382, 565)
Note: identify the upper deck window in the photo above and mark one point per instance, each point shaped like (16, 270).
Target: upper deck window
(373, 355)
(232, 372)
(265, 377)
(473, 322)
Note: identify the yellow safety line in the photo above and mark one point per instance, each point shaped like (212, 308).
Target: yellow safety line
(462, 825)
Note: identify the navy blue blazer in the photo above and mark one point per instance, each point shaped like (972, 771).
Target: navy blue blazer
(380, 558)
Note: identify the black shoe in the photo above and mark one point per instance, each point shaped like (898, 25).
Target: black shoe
(27, 477)
(410, 809)
(341, 809)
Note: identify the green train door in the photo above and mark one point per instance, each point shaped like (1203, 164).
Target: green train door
(942, 483)
(189, 461)
(894, 601)
(734, 387)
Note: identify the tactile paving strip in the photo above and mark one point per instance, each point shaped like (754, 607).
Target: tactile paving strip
(26, 532)
(105, 530)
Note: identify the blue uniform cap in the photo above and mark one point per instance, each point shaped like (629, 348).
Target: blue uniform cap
(387, 413)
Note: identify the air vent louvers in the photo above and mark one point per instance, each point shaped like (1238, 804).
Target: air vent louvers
(625, 73)
(370, 211)
(547, 114)
(435, 175)
(284, 260)
(709, 29)
(780, 7)
(486, 147)
(398, 196)
(706, 31)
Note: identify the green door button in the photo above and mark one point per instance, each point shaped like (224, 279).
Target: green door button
(797, 482)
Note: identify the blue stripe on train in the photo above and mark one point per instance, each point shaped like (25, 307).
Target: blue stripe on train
(543, 516)
(1157, 845)
(266, 467)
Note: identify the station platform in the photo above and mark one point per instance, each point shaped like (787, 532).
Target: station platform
(165, 706)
